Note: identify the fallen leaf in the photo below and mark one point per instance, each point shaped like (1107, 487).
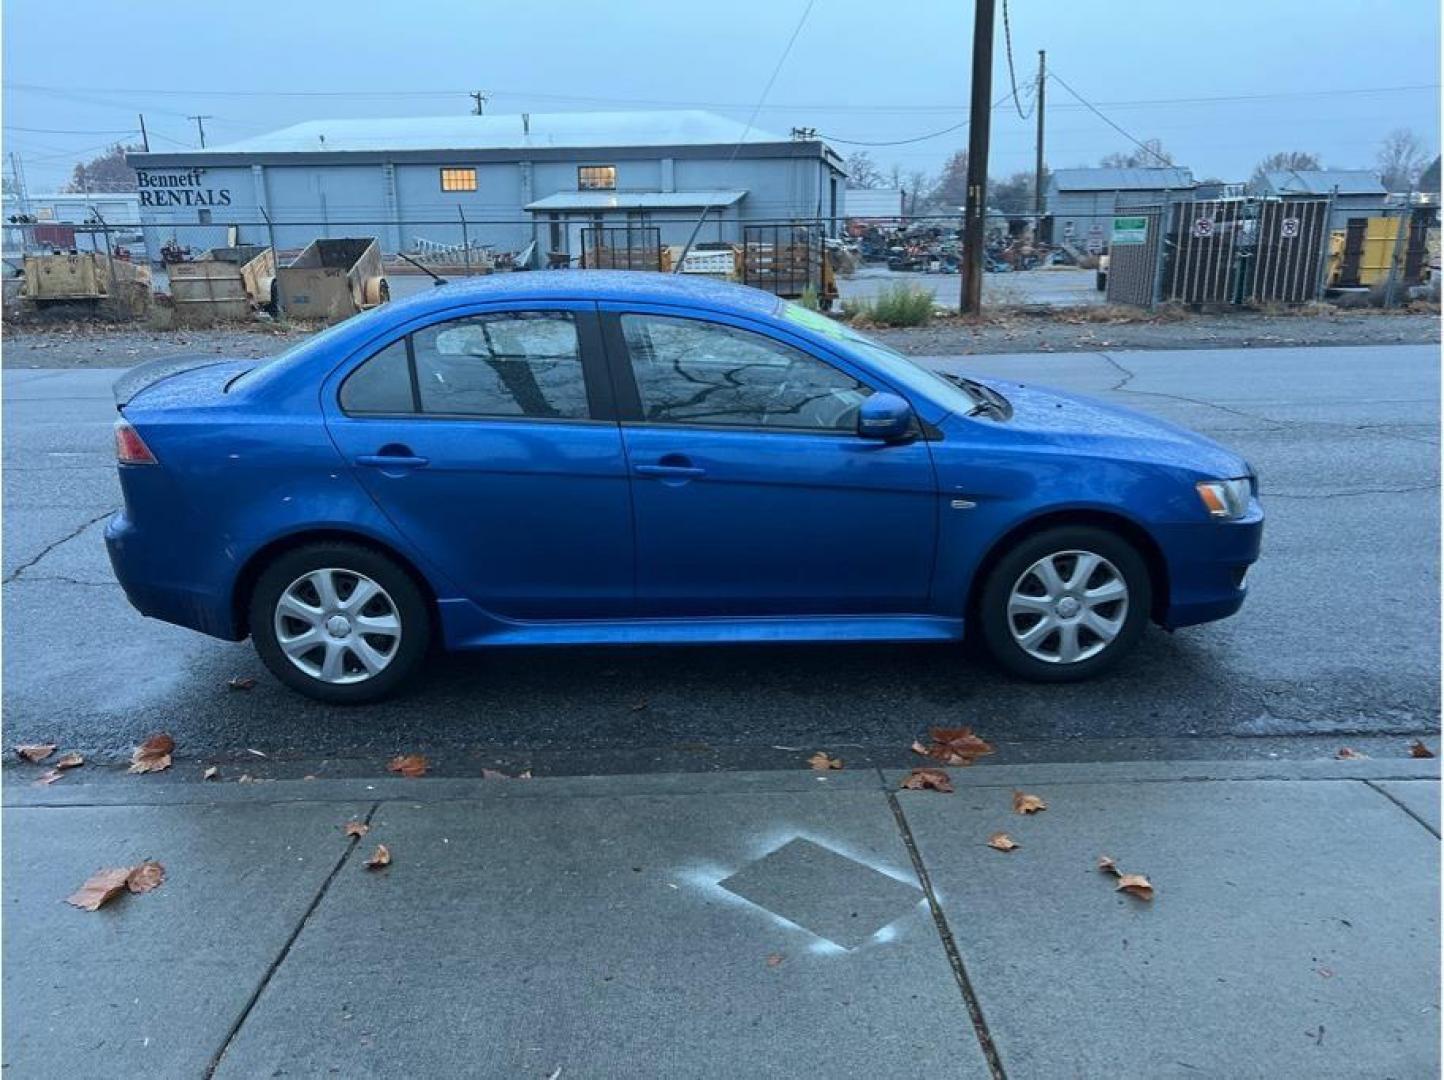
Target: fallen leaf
(774, 960)
(49, 776)
(145, 877)
(954, 746)
(1418, 749)
(494, 774)
(1107, 865)
(102, 886)
(71, 760)
(211, 773)
(821, 762)
(357, 828)
(639, 706)
(242, 682)
(379, 858)
(1023, 803)
(34, 752)
(525, 774)
(153, 755)
(410, 765)
(1347, 753)
(1002, 841)
(1135, 885)
(928, 780)
(255, 753)
(245, 778)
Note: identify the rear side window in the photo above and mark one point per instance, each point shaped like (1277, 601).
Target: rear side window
(380, 385)
(511, 364)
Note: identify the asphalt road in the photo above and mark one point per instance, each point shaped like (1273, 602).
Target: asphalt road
(1338, 642)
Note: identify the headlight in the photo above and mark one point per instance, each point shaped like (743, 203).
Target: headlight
(1225, 499)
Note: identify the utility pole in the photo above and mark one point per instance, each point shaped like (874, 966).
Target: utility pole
(980, 116)
(479, 109)
(1038, 165)
(144, 138)
(201, 127)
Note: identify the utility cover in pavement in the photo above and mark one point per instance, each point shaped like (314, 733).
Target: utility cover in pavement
(828, 894)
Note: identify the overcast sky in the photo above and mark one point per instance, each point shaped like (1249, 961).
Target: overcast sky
(1326, 77)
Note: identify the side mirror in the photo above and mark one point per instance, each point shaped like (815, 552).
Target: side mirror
(885, 417)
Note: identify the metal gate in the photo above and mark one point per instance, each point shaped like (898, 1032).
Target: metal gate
(1291, 241)
(622, 247)
(1133, 258)
(783, 259)
(1206, 244)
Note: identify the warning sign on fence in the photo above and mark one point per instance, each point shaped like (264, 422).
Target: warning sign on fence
(1289, 227)
(1203, 227)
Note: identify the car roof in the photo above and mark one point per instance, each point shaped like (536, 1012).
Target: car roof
(623, 286)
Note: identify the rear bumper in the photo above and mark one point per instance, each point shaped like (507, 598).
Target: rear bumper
(1207, 568)
(156, 586)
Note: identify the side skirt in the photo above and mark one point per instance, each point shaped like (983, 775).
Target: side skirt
(465, 627)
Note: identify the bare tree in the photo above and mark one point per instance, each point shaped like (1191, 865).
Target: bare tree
(952, 186)
(1282, 161)
(107, 172)
(919, 193)
(862, 171)
(1401, 159)
(1149, 154)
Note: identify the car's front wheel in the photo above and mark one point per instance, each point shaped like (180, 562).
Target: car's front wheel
(339, 622)
(1065, 604)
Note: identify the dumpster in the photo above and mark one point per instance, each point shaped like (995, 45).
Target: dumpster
(224, 283)
(332, 279)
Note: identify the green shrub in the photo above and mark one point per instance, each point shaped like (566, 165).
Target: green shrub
(809, 300)
(900, 304)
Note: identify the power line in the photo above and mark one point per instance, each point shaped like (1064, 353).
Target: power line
(1012, 78)
(676, 103)
(915, 138)
(1146, 149)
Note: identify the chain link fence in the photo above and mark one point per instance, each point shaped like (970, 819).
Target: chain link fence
(1204, 254)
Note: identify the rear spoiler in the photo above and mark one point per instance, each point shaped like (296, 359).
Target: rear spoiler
(146, 375)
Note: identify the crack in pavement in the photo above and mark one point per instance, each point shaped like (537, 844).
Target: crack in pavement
(48, 548)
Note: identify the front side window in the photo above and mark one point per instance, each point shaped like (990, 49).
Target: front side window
(510, 364)
(597, 178)
(691, 372)
(458, 179)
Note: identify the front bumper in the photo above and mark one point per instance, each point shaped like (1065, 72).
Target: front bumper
(1207, 567)
(155, 585)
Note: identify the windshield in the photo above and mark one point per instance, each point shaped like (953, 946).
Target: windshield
(907, 372)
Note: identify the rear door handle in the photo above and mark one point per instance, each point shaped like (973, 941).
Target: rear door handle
(670, 470)
(393, 461)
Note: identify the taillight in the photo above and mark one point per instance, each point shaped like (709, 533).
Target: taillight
(130, 448)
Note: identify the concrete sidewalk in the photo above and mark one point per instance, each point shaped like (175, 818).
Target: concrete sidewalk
(745, 924)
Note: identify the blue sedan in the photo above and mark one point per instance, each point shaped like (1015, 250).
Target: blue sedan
(622, 458)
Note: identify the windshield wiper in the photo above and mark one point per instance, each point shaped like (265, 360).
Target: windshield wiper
(988, 400)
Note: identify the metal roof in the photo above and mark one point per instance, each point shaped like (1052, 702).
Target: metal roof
(1323, 181)
(1108, 179)
(635, 200)
(686, 127)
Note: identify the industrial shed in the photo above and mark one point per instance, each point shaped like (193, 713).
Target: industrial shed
(1081, 202)
(1354, 192)
(417, 183)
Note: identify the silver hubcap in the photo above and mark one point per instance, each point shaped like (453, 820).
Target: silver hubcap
(1067, 607)
(337, 626)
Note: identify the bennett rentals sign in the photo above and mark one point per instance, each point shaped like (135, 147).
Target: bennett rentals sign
(186, 188)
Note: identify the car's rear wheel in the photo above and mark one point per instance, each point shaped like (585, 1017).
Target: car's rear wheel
(339, 622)
(1065, 604)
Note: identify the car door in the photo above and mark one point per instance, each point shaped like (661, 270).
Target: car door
(488, 439)
(752, 491)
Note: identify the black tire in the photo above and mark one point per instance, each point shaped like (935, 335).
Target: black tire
(405, 596)
(991, 613)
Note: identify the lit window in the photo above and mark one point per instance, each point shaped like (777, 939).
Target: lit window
(458, 179)
(597, 178)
